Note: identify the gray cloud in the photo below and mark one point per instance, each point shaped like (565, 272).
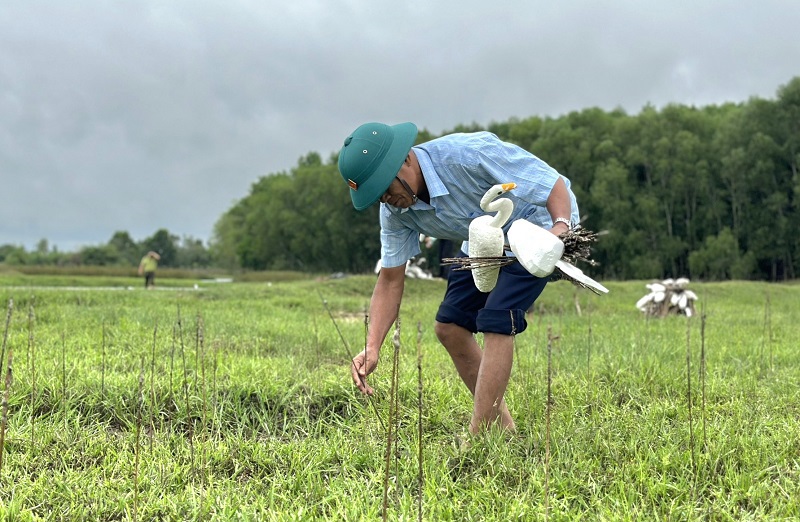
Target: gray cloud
(139, 115)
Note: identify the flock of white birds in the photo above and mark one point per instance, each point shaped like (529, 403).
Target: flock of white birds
(670, 296)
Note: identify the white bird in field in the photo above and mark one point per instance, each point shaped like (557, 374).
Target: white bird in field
(486, 234)
(668, 296)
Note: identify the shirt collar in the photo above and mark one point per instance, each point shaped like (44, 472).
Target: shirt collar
(419, 205)
(432, 180)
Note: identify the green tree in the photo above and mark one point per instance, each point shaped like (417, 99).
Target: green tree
(192, 253)
(129, 252)
(789, 124)
(618, 217)
(720, 259)
(301, 220)
(43, 254)
(227, 234)
(13, 255)
(712, 191)
(103, 255)
(165, 244)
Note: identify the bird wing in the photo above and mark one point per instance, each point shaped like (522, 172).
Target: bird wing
(577, 274)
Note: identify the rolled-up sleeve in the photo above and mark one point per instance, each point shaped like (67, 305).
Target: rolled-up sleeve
(398, 242)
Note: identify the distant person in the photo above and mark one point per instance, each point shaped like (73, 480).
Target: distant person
(147, 267)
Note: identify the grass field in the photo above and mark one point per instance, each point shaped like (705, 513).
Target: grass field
(234, 402)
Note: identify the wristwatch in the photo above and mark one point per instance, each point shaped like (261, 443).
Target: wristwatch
(563, 220)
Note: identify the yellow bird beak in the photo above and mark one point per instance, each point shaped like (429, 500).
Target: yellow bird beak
(509, 186)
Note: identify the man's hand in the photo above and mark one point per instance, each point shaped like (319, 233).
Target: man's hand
(363, 364)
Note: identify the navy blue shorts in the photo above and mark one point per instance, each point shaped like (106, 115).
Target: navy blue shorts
(500, 311)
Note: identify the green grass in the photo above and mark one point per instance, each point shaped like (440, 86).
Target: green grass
(234, 402)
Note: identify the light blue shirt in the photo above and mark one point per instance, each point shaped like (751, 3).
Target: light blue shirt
(458, 170)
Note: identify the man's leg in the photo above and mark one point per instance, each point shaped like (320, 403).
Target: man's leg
(467, 357)
(502, 317)
(491, 383)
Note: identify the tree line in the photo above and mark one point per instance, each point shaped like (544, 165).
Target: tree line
(708, 192)
(121, 250)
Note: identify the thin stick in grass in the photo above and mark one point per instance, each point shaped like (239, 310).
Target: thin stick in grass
(316, 339)
(4, 407)
(201, 344)
(32, 355)
(712, 468)
(136, 451)
(64, 378)
(589, 347)
(214, 354)
(703, 373)
(689, 392)
(153, 386)
(396, 399)
(172, 356)
(197, 349)
(769, 330)
(392, 418)
(547, 413)
(366, 336)
(189, 423)
(349, 354)
(767, 335)
(9, 312)
(103, 364)
(366, 327)
(420, 475)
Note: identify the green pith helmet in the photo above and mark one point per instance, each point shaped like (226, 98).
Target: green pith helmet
(371, 157)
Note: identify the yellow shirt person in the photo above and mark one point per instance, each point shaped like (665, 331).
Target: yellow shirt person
(147, 267)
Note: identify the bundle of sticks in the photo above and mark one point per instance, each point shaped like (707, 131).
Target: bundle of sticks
(577, 247)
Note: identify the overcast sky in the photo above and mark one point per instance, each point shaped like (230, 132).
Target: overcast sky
(139, 115)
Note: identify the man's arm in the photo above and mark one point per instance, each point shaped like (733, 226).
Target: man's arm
(383, 310)
(559, 205)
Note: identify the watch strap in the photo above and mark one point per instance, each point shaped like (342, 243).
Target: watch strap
(563, 220)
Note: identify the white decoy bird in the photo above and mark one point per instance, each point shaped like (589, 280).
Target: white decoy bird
(537, 249)
(486, 234)
(540, 251)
